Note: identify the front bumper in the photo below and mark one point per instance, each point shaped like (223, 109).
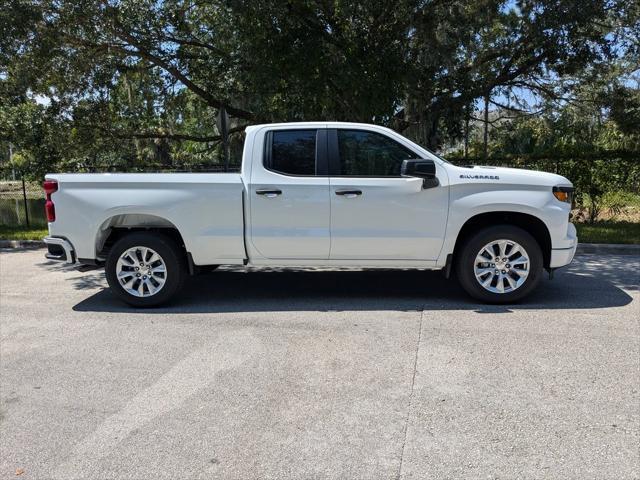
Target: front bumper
(59, 249)
(564, 256)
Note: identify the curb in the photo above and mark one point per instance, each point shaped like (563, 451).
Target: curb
(612, 248)
(22, 244)
(583, 248)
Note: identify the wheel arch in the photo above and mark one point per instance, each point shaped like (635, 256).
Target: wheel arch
(529, 223)
(116, 226)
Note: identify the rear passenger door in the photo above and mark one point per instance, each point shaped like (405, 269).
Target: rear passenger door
(289, 196)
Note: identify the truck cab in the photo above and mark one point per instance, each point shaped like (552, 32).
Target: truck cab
(321, 193)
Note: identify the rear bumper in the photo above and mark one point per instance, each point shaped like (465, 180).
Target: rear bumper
(60, 250)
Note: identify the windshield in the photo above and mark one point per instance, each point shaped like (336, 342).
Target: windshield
(439, 157)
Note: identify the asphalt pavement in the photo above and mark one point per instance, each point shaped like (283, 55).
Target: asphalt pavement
(353, 374)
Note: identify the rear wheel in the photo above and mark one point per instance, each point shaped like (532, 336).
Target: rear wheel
(500, 264)
(145, 269)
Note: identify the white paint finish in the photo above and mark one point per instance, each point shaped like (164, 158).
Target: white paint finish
(392, 224)
(293, 225)
(515, 190)
(205, 208)
(347, 263)
(564, 256)
(393, 218)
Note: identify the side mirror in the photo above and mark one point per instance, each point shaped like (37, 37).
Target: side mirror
(419, 168)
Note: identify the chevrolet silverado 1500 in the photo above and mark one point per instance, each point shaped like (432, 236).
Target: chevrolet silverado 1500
(316, 194)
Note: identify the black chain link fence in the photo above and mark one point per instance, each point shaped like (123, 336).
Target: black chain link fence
(21, 203)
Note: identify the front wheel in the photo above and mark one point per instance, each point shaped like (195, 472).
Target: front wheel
(145, 269)
(500, 264)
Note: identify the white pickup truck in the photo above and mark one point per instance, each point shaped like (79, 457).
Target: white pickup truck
(316, 194)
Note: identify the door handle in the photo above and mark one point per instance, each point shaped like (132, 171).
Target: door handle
(269, 193)
(349, 193)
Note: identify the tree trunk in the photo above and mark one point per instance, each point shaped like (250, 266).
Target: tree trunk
(223, 128)
(466, 132)
(485, 143)
(423, 123)
(136, 141)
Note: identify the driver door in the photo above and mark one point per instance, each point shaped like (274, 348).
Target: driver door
(375, 213)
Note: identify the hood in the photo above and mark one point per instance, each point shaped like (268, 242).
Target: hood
(502, 175)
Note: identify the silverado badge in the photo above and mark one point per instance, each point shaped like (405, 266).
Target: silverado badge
(481, 177)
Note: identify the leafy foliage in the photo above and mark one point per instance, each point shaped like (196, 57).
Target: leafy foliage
(582, 140)
(133, 84)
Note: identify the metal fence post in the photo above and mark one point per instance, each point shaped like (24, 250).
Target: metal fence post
(222, 122)
(24, 198)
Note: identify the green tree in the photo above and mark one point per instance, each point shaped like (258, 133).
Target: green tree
(144, 80)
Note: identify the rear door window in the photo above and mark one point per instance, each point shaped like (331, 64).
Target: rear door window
(292, 152)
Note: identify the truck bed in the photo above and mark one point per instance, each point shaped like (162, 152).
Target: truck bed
(206, 208)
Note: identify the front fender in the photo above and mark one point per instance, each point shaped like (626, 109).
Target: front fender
(467, 202)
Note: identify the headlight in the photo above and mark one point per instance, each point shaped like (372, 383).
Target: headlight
(564, 194)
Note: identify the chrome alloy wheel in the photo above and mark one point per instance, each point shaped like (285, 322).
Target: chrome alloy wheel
(141, 271)
(501, 266)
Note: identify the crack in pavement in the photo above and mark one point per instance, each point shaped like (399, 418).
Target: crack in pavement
(413, 381)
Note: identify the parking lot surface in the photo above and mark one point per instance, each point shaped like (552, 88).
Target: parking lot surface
(319, 374)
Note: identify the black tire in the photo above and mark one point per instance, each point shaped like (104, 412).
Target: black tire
(170, 253)
(465, 263)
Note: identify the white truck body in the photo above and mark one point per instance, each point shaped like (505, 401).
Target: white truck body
(392, 222)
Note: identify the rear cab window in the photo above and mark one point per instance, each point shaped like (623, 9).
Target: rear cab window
(291, 152)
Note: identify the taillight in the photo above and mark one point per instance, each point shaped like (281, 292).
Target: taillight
(50, 186)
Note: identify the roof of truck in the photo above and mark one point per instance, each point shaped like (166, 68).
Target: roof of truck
(316, 124)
